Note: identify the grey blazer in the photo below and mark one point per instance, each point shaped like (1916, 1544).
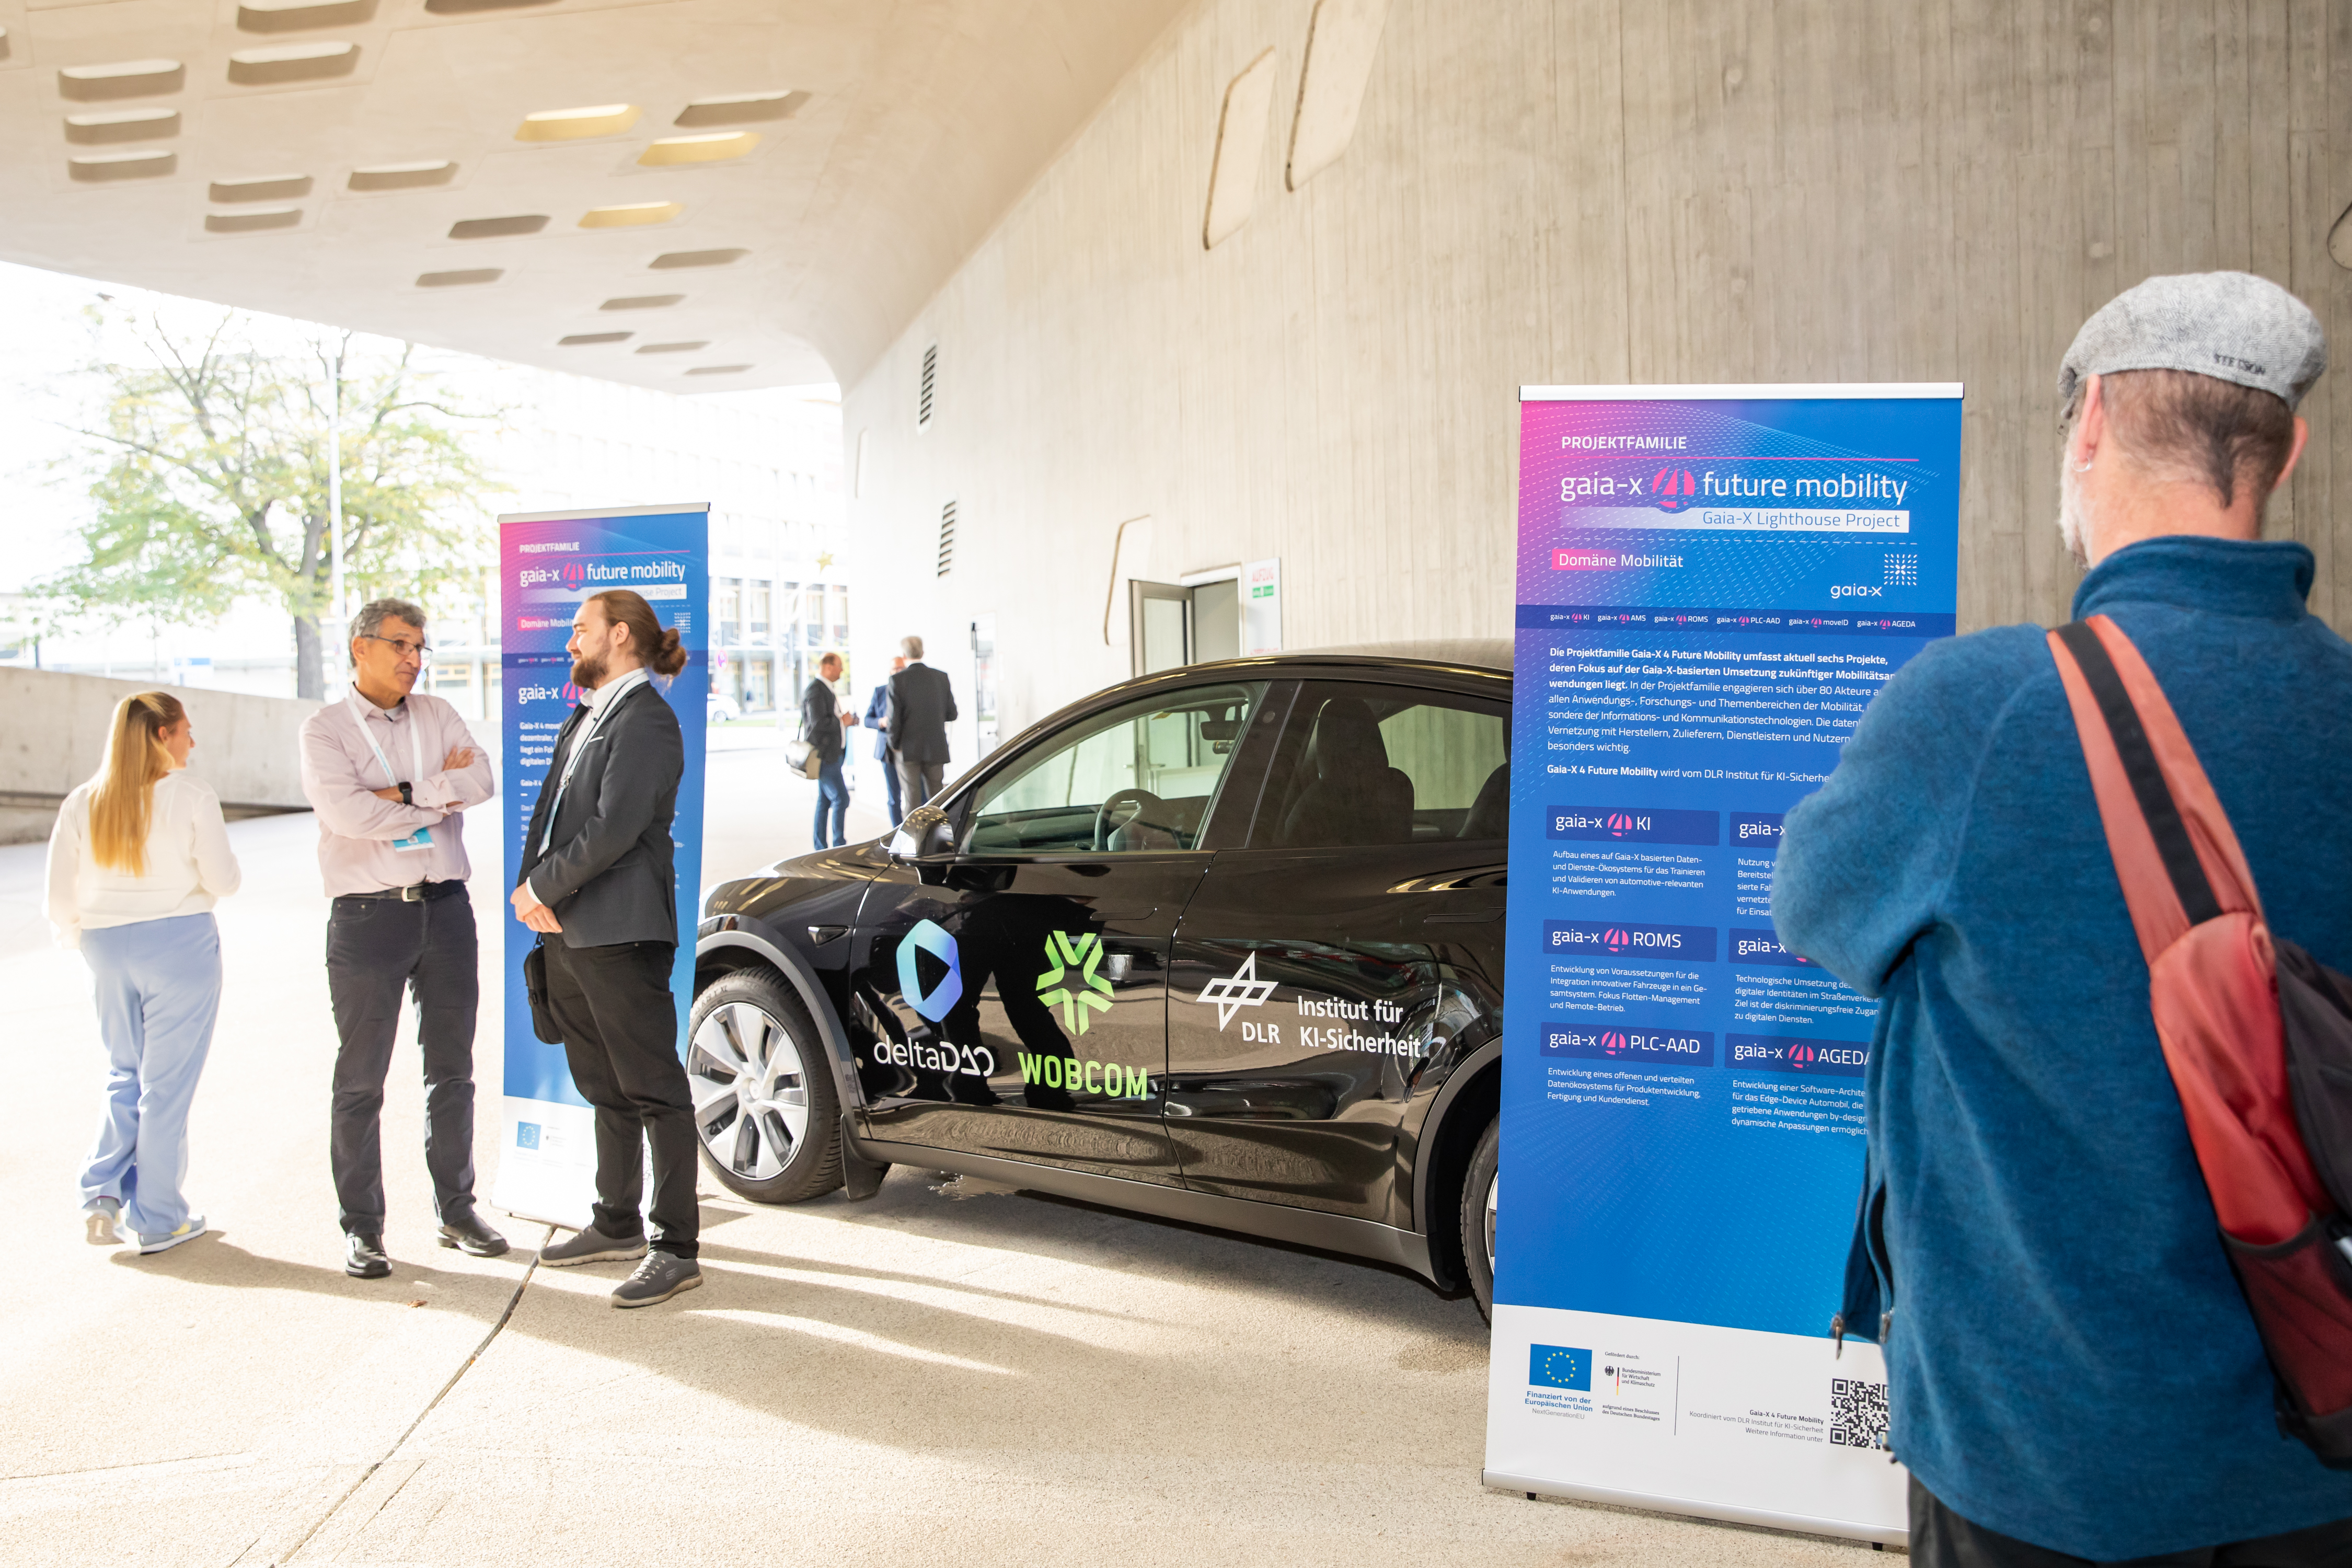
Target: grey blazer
(922, 705)
(609, 872)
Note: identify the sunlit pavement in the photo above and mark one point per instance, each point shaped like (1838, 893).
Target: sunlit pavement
(926, 1378)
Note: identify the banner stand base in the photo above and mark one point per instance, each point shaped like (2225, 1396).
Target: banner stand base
(1837, 1529)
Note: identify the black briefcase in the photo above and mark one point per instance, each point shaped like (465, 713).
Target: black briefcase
(534, 986)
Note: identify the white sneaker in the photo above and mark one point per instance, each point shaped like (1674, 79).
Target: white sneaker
(194, 1228)
(101, 1215)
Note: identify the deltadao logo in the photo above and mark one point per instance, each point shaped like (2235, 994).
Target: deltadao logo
(1669, 488)
(1081, 995)
(937, 999)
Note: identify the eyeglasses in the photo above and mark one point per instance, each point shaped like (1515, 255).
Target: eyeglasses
(402, 647)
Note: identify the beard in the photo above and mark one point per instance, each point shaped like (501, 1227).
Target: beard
(2074, 513)
(588, 670)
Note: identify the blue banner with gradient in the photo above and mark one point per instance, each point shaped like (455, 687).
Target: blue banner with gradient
(548, 564)
(1711, 588)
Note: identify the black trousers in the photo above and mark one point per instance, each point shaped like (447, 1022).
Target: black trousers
(613, 1008)
(1942, 1539)
(376, 949)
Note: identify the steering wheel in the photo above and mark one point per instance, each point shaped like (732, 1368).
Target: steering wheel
(1137, 801)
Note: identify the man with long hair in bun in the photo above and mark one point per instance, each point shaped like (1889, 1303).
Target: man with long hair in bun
(137, 858)
(596, 882)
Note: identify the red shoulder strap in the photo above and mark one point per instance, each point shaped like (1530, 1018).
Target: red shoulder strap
(2174, 851)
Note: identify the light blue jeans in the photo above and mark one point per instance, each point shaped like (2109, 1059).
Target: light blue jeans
(159, 987)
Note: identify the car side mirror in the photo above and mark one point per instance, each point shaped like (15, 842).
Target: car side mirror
(925, 832)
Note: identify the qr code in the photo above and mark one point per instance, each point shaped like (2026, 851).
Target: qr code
(1901, 571)
(1857, 1413)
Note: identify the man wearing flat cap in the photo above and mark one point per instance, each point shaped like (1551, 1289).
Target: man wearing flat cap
(2073, 1372)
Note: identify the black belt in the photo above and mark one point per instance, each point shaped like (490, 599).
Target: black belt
(416, 893)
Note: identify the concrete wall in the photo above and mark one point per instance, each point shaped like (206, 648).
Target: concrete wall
(1572, 191)
(53, 737)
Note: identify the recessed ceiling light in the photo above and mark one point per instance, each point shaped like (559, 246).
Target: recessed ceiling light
(123, 79)
(713, 147)
(497, 228)
(459, 280)
(675, 258)
(298, 16)
(577, 124)
(274, 63)
(403, 176)
(674, 348)
(263, 188)
(640, 302)
(139, 165)
(104, 125)
(742, 108)
(718, 369)
(252, 222)
(631, 215)
(582, 339)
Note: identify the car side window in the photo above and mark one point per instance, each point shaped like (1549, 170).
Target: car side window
(1141, 777)
(1370, 765)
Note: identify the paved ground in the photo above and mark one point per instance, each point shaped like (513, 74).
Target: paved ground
(934, 1377)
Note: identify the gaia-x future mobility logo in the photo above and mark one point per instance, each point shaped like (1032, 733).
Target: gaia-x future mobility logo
(1078, 996)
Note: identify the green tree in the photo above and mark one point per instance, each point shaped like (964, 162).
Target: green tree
(212, 482)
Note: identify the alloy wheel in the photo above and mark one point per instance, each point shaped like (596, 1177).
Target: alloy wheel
(750, 1090)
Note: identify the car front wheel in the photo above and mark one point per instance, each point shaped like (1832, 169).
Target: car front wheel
(1480, 1185)
(764, 1105)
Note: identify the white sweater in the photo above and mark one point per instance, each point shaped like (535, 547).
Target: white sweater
(189, 863)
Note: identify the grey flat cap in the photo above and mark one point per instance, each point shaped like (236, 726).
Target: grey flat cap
(2232, 326)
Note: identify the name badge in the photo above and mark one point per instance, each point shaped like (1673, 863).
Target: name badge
(420, 839)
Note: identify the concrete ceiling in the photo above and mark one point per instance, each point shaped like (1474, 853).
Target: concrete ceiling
(244, 174)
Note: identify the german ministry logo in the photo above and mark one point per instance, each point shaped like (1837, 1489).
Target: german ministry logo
(1236, 991)
(1081, 995)
(937, 1001)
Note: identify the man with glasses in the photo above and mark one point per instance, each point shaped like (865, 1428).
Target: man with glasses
(390, 771)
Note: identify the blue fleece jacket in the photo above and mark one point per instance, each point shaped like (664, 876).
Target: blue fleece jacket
(2070, 1359)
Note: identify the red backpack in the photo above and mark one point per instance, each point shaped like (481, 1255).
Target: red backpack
(2257, 1036)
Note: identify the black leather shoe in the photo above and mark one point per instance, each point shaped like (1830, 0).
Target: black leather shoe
(363, 1257)
(467, 1231)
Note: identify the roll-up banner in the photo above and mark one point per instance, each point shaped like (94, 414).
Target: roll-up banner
(549, 563)
(1713, 582)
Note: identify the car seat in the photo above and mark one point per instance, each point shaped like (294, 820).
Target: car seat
(1352, 796)
(1490, 813)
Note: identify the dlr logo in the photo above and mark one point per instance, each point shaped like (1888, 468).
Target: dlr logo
(1263, 1034)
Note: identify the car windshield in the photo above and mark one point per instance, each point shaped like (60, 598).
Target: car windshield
(1141, 777)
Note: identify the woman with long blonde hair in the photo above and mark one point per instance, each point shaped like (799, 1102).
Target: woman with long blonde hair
(138, 856)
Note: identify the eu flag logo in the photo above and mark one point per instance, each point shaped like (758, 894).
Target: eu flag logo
(1558, 1366)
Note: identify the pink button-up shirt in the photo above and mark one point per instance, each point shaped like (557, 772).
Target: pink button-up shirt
(340, 773)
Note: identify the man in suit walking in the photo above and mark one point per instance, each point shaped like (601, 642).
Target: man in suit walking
(877, 715)
(922, 706)
(597, 882)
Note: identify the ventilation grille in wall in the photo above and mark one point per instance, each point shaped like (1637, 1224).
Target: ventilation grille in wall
(947, 538)
(930, 384)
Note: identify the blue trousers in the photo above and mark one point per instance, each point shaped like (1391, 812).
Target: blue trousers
(832, 798)
(158, 986)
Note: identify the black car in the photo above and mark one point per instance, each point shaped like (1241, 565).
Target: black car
(1223, 945)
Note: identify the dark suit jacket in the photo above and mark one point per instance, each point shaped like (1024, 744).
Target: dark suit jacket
(821, 720)
(922, 705)
(609, 872)
(877, 719)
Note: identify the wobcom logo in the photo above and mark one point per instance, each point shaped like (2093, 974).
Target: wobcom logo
(938, 1001)
(1081, 996)
(1669, 486)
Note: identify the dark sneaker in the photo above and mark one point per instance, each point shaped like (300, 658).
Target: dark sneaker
(99, 1220)
(467, 1230)
(658, 1279)
(363, 1257)
(591, 1245)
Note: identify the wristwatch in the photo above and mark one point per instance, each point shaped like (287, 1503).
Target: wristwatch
(406, 798)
